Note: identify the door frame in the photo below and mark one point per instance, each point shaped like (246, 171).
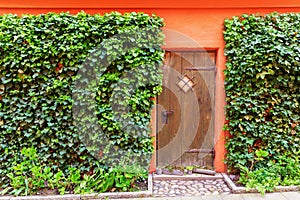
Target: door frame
(154, 113)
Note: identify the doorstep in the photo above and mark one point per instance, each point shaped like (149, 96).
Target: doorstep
(187, 177)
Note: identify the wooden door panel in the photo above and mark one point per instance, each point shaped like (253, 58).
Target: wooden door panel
(187, 139)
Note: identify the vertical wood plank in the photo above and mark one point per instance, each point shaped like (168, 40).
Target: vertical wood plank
(190, 111)
(208, 110)
(210, 60)
(175, 118)
(163, 104)
(170, 103)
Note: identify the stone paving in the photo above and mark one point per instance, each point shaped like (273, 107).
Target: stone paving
(268, 196)
(172, 188)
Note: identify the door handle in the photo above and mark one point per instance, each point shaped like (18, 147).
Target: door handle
(165, 115)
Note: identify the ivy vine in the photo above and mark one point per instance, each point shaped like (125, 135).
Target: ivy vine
(43, 57)
(262, 89)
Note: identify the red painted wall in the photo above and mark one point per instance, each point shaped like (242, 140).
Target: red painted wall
(194, 24)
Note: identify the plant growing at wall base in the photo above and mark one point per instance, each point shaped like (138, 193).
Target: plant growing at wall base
(31, 177)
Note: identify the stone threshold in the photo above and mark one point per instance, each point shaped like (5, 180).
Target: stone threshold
(163, 177)
(238, 189)
(109, 195)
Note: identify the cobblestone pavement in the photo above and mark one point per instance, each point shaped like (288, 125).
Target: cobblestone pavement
(171, 188)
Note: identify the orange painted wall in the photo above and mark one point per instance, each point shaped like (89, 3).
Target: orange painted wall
(148, 4)
(200, 21)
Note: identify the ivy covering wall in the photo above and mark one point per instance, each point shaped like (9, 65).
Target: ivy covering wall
(262, 93)
(47, 64)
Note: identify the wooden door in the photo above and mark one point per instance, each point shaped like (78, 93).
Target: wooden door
(185, 110)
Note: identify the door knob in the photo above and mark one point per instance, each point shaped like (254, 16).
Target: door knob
(165, 115)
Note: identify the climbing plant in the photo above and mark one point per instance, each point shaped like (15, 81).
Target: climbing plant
(48, 62)
(262, 89)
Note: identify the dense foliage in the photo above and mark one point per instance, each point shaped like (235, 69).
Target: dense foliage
(262, 91)
(31, 176)
(49, 62)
